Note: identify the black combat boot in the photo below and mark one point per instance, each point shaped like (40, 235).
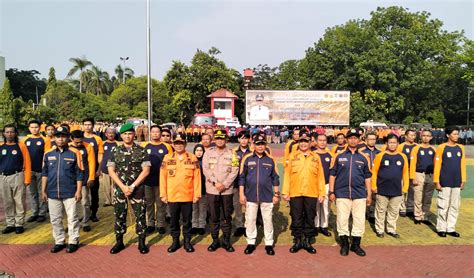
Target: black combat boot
(142, 244)
(119, 246)
(227, 245)
(214, 245)
(307, 246)
(297, 245)
(175, 245)
(355, 246)
(344, 245)
(188, 246)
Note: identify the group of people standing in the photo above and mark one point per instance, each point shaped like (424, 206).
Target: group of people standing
(159, 178)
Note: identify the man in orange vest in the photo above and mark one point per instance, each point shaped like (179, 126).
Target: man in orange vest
(180, 187)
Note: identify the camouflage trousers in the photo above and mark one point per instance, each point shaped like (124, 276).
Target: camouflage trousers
(137, 201)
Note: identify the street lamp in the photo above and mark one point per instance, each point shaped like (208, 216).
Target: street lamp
(123, 68)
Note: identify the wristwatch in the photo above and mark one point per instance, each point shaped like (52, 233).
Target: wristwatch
(330, 193)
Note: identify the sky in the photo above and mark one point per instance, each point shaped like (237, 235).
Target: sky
(40, 34)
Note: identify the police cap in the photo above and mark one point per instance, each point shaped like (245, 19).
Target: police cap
(357, 132)
(61, 131)
(179, 137)
(220, 134)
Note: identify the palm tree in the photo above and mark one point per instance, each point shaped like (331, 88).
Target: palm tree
(80, 64)
(123, 73)
(98, 81)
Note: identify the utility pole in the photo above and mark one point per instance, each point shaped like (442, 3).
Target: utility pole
(148, 65)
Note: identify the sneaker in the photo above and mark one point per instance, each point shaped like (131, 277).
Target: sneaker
(41, 218)
(149, 230)
(8, 229)
(380, 235)
(395, 235)
(239, 232)
(57, 247)
(250, 248)
(32, 218)
(19, 230)
(270, 251)
(71, 248)
(453, 234)
(161, 230)
(325, 231)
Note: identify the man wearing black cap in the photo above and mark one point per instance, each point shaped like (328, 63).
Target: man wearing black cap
(63, 163)
(89, 163)
(350, 188)
(240, 151)
(259, 188)
(220, 166)
(303, 187)
(128, 167)
(180, 187)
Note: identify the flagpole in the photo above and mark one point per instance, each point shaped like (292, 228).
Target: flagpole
(148, 65)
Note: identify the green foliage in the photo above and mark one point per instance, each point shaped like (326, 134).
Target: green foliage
(408, 120)
(6, 98)
(97, 81)
(406, 55)
(51, 77)
(79, 65)
(24, 83)
(188, 87)
(373, 105)
(435, 118)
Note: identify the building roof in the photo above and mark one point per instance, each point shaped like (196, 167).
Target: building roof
(222, 93)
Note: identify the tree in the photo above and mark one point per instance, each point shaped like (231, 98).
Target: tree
(6, 99)
(406, 55)
(264, 77)
(51, 77)
(123, 73)
(130, 100)
(25, 83)
(98, 81)
(188, 87)
(373, 105)
(80, 64)
(288, 76)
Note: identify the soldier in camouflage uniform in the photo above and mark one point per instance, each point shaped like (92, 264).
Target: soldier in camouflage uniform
(128, 167)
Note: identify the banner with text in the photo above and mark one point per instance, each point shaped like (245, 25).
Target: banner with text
(297, 107)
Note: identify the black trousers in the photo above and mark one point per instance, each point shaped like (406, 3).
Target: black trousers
(303, 211)
(185, 210)
(95, 197)
(221, 208)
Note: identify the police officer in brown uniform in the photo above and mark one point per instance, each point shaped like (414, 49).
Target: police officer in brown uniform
(220, 166)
